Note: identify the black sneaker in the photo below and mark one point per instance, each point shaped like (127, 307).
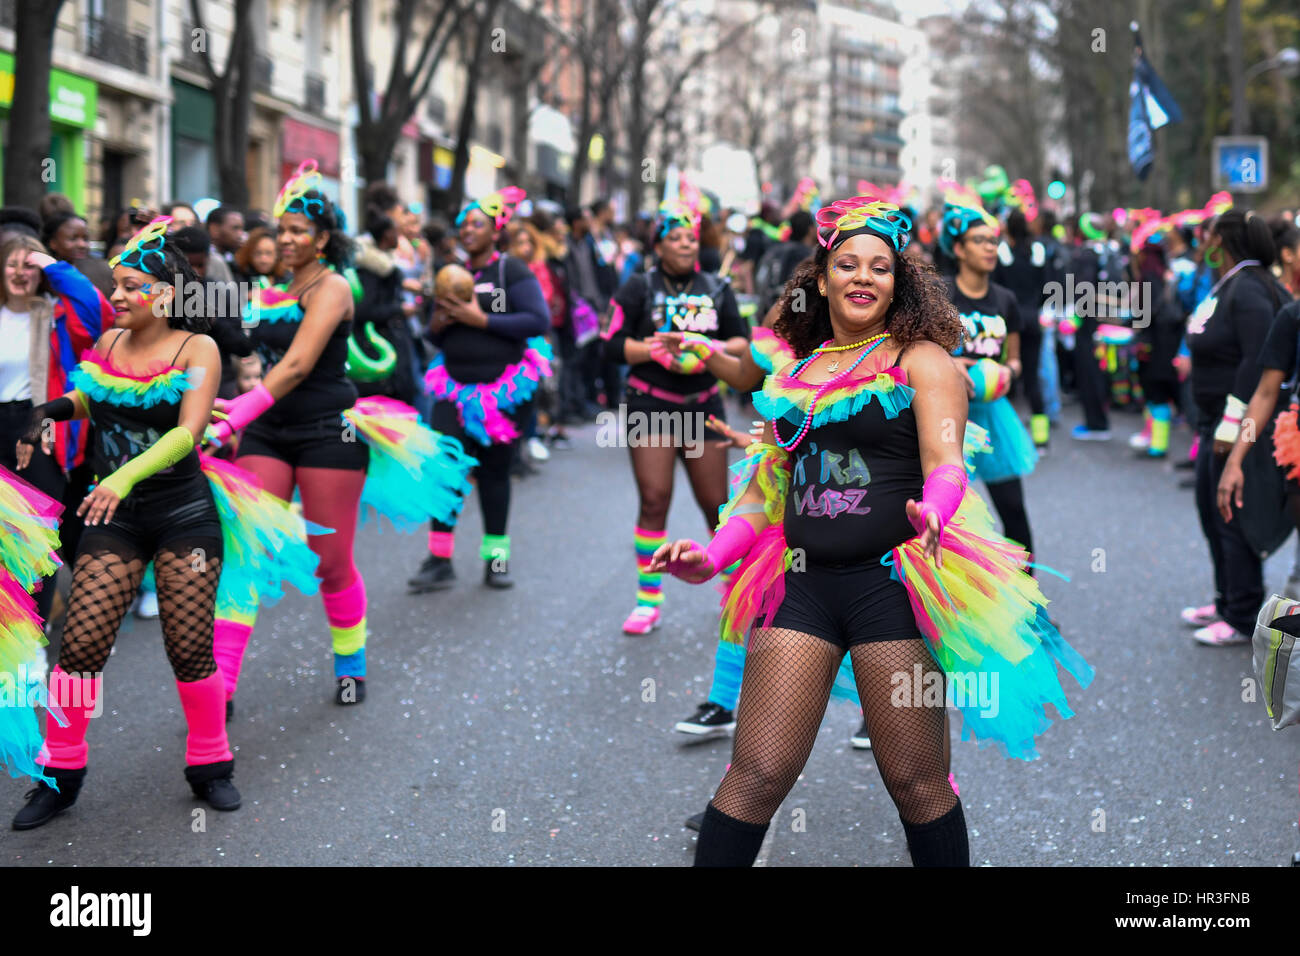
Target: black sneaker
(710, 719)
(695, 823)
(212, 782)
(44, 803)
(435, 574)
(1187, 464)
(351, 690)
(860, 740)
(496, 574)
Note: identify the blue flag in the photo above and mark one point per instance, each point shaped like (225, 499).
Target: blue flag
(1151, 106)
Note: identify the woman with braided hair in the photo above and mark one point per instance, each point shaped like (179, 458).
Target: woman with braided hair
(861, 468)
(148, 387)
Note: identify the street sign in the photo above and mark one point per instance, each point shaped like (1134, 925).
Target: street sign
(1240, 163)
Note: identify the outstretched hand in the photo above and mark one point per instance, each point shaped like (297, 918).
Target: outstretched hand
(928, 531)
(683, 559)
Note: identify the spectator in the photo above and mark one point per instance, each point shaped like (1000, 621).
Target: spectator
(226, 230)
(18, 221)
(67, 238)
(182, 214)
(49, 314)
(259, 257)
(779, 262)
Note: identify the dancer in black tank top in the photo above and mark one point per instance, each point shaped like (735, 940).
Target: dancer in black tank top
(148, 387)
(866, 415)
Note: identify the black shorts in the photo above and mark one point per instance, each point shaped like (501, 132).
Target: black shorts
(145, 522)
(325, 442)
(847, 605)
(670, 424)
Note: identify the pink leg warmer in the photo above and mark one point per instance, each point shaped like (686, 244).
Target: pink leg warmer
(204, 703)
(78, 697)
(441, 543)
(229, 641)
(346, 608)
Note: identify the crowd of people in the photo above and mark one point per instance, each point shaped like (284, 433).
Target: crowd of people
(468, 348)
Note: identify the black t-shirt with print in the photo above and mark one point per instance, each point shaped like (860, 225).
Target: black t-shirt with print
(988, 321)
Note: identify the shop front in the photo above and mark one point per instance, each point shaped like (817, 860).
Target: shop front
(302, 141)
(73, 102)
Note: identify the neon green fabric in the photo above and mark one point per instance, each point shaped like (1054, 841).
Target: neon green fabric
(495, 546)
(165, 452)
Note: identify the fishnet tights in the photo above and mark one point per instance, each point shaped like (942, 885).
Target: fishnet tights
(105, 579)
(788, 677)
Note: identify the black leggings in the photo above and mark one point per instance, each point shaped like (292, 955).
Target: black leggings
(1238, 572)
(1009, 501)
(1031, 351)
(493, 472)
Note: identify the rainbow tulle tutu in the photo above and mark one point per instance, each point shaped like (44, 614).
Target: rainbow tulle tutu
(264, 539)
(415, 473)
(1286, 443)
(482, 407)
(29, 538)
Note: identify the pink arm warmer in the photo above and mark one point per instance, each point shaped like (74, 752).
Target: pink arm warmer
(941, 495)
(239, 412)
(731, 543)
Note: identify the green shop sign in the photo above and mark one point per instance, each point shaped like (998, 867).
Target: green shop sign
(72, 98)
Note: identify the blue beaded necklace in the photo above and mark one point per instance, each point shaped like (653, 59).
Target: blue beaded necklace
(821, 390)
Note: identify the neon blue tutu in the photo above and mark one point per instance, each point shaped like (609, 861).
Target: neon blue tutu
(1013, 453)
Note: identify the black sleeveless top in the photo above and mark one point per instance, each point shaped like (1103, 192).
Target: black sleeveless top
(275, 318)
(850, 482)
(130, 413)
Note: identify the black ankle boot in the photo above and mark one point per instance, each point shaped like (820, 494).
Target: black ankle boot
(44, 803)
(726, 841)
(940, 842)
(212, 782)
(435, 574)
(496, 574)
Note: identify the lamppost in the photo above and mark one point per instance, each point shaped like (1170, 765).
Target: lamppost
(1287, 60)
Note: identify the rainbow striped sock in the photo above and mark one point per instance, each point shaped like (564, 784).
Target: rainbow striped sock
(650, 590)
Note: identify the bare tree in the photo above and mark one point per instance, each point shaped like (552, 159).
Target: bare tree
(378, 132)
(481, 41)
(598, 51)
(232, 98)
(27, 152)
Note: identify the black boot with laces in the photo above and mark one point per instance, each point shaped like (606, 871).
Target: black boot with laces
(212, 782)
(44, 803)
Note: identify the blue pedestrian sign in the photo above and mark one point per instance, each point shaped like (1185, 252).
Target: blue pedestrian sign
(1240, 163)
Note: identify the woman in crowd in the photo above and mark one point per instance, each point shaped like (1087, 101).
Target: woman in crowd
(1225, 335)
(675, 296)
(492, 361)
(259, 258)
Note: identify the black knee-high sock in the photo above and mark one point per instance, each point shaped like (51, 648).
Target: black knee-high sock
(726, 841)
(940, 842)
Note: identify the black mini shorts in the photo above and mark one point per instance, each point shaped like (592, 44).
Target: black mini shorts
(847, 605)
(670, 424)
(146, 521)
(324, 442)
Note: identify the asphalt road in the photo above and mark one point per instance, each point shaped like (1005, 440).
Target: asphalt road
(513, 727)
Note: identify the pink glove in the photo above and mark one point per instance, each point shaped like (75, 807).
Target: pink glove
(941, 496)
(731, 543)
(239, 412)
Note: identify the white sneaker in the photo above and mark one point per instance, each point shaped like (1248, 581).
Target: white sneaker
(1139, 441)
(147, 607)
(537, 450)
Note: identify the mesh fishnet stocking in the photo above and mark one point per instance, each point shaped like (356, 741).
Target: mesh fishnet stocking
(909, 737)
(187, 573)
(788, 677)
(104, 583)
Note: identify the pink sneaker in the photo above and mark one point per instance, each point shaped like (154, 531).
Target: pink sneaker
(642, 620)
(1199, 616)
(1221, 634)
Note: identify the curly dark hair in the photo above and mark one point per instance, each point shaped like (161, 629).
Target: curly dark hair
(920, 309)
(329, 217)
